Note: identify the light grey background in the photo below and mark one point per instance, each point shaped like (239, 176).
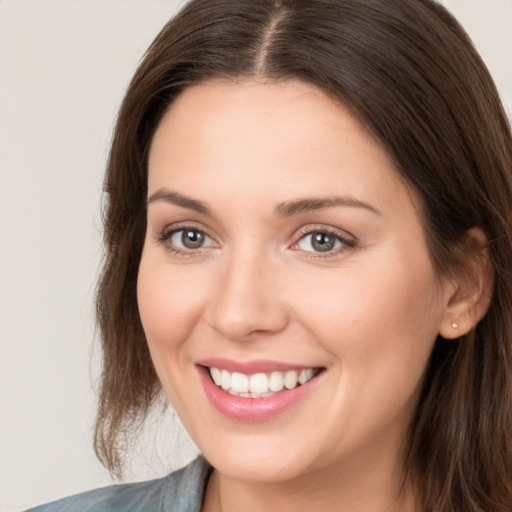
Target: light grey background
(64, 66)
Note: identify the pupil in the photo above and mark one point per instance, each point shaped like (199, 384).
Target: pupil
(192, 239)
(322, 242)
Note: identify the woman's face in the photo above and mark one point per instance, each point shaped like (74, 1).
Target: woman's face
(284, 257)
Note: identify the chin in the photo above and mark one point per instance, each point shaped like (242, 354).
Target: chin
(261, 464)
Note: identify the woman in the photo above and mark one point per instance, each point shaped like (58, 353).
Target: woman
(308, 240)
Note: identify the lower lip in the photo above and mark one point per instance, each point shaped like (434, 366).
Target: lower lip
(252, 409)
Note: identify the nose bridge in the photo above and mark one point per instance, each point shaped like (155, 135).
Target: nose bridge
(245, 303)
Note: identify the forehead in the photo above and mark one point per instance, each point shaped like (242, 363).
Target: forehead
(285, 138)
(292, 110)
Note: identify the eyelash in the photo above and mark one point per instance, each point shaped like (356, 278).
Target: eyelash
(165, 236)
(347, 243)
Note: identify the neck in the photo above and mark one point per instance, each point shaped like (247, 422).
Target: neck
(336, 489)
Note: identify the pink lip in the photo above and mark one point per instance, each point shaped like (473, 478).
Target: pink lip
(250, 367)
(252, 409)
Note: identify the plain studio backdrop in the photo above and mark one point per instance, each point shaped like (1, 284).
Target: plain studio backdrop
(64, 67)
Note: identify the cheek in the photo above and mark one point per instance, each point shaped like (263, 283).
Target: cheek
(384, 314)
(170, 301)
(379, 330)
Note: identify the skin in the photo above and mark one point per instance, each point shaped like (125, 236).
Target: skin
(368, 311)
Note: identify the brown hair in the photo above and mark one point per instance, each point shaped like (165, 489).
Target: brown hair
(409, 72)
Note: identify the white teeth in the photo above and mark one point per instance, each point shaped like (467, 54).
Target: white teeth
(259, 385)
(239, 382)
(305, 375)
(275, 383)
(290, 379)
(216, 375)
(225, 380)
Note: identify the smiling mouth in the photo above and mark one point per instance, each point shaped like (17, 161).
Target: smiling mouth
(260, 385)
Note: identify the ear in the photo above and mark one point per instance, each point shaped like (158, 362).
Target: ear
(469, 292)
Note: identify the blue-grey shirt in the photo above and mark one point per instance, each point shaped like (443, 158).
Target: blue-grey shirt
(181, 491)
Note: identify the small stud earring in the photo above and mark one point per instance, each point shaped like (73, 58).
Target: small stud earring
(455, 325)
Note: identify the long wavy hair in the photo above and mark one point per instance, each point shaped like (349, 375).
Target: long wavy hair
(408, 71)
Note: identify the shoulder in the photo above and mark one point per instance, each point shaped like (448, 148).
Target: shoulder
(181, 491)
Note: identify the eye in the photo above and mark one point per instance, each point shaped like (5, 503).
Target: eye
(323, 242)
(187, 239)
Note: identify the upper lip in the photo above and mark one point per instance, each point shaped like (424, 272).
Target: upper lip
(252, 367)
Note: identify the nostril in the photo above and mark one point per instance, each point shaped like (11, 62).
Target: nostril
(244, 305)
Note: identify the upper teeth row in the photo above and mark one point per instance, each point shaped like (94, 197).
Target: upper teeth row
(260, 382)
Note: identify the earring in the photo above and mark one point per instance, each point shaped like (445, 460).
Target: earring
(455, 325)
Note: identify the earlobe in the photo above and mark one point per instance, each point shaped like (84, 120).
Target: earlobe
(469, 297)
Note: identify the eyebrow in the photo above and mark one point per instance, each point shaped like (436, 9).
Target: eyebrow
(179, 200)
(290, 208)
(286, 209)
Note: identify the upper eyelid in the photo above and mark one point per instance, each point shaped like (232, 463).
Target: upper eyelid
(164, 237)
(179, 226)
(348, 241)
(322, 228)
(300, 233)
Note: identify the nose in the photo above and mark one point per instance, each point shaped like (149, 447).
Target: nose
(246, 303)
